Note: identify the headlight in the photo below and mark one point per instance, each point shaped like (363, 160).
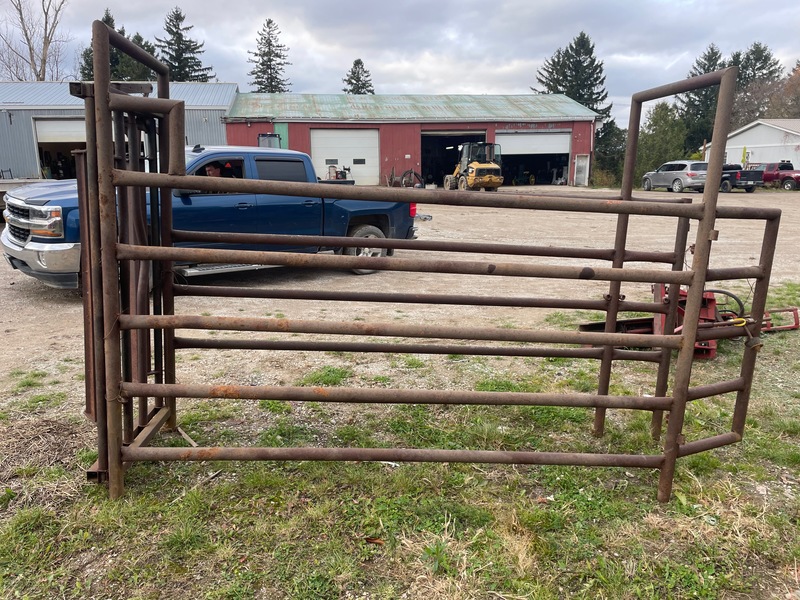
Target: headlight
(46, 221)
(471, 170)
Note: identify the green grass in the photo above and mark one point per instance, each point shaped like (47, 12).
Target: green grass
(332, 530)
(28, 380)
(326, 376)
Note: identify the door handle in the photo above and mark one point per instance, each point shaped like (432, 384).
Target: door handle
(309, 202)
(243, 205)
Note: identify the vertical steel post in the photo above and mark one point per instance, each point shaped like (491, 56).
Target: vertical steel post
(108, 244)
(706, 234)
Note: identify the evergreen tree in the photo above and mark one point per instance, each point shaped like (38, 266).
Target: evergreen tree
(86, 69)
(609, 151)
(358, 80)
(575, 72)
(661, 138)
(179, 52)
(698, 107)
(123, 67)
(270, 61)
(756, 64)
(132, 70)
(760, 77)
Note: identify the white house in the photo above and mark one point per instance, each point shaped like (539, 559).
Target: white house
(765, 140)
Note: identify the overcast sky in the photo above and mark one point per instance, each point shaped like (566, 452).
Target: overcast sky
(463, 46)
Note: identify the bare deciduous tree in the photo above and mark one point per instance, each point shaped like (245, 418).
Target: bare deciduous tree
(31, 48)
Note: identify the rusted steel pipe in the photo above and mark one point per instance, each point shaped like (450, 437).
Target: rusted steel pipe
(391, 396)
(717, 441)
(382, 194)
(716, 389)
(107, 216)
(754, 272)
(398, 330)
(588, 353)
(466, 300)
(289, 259)
(393, 454)
(430, 245)
(700, 262)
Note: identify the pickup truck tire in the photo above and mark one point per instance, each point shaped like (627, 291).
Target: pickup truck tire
(677, 186)
(750, 189)
(725, 186)
(647, 185)
(789, 184)
(365, 231)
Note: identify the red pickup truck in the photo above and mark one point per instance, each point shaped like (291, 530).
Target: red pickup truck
(781, 174)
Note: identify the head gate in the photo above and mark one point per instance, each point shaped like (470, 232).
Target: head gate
(130, 246)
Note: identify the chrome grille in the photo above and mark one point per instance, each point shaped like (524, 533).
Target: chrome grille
(20, 212)
(18, 234)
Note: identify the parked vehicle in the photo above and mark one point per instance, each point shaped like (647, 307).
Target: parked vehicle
(734, 177)
(781, 174)
(478, 167)
(42, 237)
(676, 176)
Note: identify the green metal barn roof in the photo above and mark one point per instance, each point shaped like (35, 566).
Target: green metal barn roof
(404, 108)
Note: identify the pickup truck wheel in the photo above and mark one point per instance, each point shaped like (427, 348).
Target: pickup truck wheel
(750, 189)
(677, 186)
(366, 231)
(725, 186)
(462, 183)
(647, 185)
(789, 184)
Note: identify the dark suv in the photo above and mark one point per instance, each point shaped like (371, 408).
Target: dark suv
(676, 176)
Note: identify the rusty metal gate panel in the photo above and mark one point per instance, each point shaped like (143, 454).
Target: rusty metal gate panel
(132, 337)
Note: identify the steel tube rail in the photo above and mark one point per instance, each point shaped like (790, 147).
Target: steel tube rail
(466, 300)
(429, 245)
(393, 454)
(694, 300)
(715, 389)
(754, 272)
(588, 353)
(127, 322)
(455, 198)
(107, 215)
(288, 259)
(392, 396)
(717, 441)
(753, 344)
(748, 212)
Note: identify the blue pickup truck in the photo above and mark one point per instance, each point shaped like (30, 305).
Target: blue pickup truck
(42, 233)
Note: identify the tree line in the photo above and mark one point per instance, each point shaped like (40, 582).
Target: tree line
(31, 48)
(671, 130)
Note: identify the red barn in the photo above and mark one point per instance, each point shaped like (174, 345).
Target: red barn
(547, 136)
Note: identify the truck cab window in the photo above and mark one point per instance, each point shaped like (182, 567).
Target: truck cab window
(233, 167)
(282, 170)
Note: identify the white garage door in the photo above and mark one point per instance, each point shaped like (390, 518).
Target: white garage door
(354, 148)
(534, 143)
(60, 130)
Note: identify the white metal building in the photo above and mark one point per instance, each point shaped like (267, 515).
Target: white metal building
(765, 140)
(41, 124)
